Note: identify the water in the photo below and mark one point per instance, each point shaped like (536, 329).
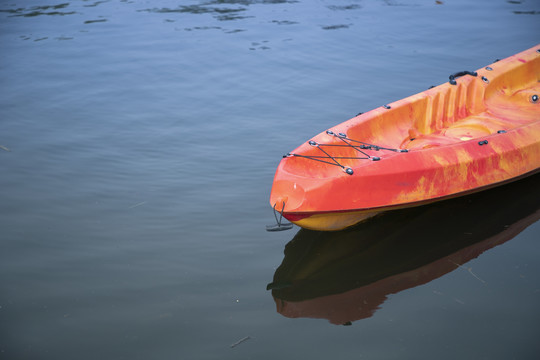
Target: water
(143, 138)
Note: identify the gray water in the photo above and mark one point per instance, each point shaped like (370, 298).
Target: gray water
(139, 141)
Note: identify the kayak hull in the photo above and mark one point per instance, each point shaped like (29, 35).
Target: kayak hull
(448, 141)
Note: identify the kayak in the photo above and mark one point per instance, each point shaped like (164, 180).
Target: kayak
(478, 130)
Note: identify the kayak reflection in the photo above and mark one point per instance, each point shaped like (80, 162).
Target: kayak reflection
(346, 276)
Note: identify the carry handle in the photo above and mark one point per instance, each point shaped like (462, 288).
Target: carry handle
(460, 73)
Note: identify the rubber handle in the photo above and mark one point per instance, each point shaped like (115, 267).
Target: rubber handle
(460, 73)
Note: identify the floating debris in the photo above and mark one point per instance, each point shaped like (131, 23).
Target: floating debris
(137, 205)
(240, 341)
(469, 269)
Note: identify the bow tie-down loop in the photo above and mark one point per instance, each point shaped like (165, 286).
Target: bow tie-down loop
(280, 226)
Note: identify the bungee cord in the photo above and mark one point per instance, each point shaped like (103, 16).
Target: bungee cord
(357, 145)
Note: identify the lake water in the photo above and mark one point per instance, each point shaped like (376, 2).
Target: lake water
(139, 143)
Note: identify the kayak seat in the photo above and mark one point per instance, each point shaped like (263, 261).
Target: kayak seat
(469, 128)
(477, 126)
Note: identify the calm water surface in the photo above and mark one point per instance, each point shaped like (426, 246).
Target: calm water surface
(138, 145)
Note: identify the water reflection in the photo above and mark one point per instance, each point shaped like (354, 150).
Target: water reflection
(344, 7)
(95, 21)
(335, 27)
(40, 10)
(346, 276)
(218, 8)
(95, 3)
(219, 12)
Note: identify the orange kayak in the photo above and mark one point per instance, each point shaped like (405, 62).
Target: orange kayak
(479, 130)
